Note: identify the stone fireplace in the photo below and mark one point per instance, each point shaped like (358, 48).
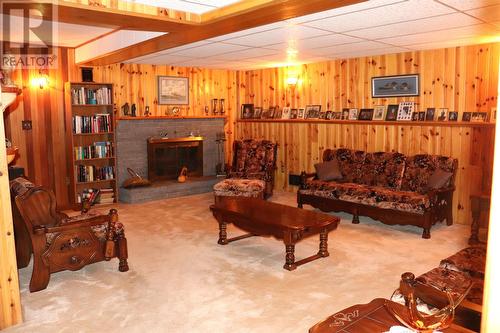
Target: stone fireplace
(166, 157)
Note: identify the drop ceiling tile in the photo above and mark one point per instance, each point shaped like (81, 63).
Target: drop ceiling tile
(184, 47)
(417, 26)
(245, 32)
(448, 43)
(280, 35)
(477, 31)
(367, 53)
(246, 53)
(343, 10)
(400, 12)
(488, 14)
(324, 41)
(209, 50)
(353, 47)
(468, 4)
(163, 59)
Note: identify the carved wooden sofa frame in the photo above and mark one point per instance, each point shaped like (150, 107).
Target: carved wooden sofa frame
(441, 208)
(59, 242)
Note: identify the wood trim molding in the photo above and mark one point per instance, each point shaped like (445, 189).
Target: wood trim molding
(373, 122)
(220, 22)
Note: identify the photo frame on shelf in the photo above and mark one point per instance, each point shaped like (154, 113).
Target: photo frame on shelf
(353, 114)
(395, 86)
(257, 112)
(312, 111)
(430, 114)
(345, 114)
(278, 112)
(392, 112)
(452, 116)
(493, 115)
(293, 114)
(328, 115)
(442, 114)
(173, 90)
(414, 116)
(365, 114)
(322, 116)
(405, 111)
(379, 112)
(271, 113)
(286, 113)
(301, 112)
(466, 116)
(421, 116)
(478, 117)
(337, 115)
(247, 111)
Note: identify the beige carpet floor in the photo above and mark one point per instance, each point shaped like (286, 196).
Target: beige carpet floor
(180, 280)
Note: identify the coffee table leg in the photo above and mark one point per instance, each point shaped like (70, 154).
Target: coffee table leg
(222, 233)
(323, 244)
(290, 257)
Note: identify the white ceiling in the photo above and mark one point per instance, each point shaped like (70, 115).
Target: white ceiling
(370, 28)
(192, 6)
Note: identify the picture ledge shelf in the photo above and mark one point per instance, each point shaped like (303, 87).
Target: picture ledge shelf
(170, 117)
(374, 122)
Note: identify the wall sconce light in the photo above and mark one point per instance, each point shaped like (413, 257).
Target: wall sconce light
(292, 81)
(41, 81)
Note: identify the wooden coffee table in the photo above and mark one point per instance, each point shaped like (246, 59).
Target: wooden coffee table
(366, 318)
(263, 218)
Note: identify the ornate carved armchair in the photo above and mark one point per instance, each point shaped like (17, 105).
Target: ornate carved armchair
(59, 242)
(254, 159)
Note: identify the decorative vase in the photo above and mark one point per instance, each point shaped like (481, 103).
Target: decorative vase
(221, 107)
(214, 106)
(183, 175)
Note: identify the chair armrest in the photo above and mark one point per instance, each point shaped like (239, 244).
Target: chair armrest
(433, 193)
(304, 176)
(88, 222)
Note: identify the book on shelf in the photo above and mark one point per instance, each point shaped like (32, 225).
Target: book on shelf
(90, 173)
(87, 96)
(98, 123)
(96, 196)
(101, 149)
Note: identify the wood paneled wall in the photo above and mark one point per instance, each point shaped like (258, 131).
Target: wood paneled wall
(42, 150)
(138, 84)
(461, 79)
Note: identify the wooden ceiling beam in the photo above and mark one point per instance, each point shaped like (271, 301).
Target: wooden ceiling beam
(240, 16)
(75, 13)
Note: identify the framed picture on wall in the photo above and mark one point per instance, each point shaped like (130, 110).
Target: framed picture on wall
(395, 86)
(353, 114)
(312, 111)
(365, 114)
(257, 112)
(378, 112)
(345, 114)
(442, 114)
(466, 116)
(173, 90)
(405, 110)
(452, 116)
(301, 112)
(478, 117)
(392, 112)
(293, 114)
(421, 116)
(429, 115)
(247, 111)
(286, 113)
(336, 115)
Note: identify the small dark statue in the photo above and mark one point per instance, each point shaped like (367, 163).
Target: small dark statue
(125, 109)
(134, 110)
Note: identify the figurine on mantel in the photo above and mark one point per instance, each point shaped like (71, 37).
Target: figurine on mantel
(133, 110)
(125, 109)
(146, 112)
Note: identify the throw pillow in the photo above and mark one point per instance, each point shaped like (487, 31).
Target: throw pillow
(439, 179)
(329, 170)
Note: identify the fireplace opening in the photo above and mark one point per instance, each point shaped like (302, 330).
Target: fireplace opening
(166, 157)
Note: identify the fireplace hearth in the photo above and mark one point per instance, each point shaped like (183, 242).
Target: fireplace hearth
(167, 156)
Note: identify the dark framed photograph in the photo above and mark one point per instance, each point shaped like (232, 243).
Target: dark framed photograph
(257, 112)
(442, 114)
(312, 111)
(365, 114)
(429, 115)
(392, 112)
(414, 116)
(466, 116)
(301, 113)
(322, 115)
(337, 115)
(272, 111)
(278, 112)
(452, 116)
(173, 90)
(328, 115)
(293, 113)
(395, 86)
(421, 116)
(478, 117)
(345, 114)
(247, 111)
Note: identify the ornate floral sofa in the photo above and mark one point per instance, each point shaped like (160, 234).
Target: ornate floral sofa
(252, 170)
(387, 186)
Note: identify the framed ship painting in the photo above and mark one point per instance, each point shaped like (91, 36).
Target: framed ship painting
(173, 90)
(395, 86)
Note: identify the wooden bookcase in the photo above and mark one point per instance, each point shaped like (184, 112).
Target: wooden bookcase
(90, 126)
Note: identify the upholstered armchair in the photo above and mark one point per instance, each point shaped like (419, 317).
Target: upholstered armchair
(59, 242)
(254, 159)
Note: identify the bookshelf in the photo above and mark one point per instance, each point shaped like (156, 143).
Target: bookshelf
(90, 125)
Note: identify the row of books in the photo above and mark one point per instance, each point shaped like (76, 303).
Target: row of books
(97, 196)
(83, 96)
(90, 173)
(97, 150)
(97, 123)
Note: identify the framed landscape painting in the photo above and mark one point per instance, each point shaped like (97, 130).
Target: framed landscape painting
(395, 86)
(173, 90)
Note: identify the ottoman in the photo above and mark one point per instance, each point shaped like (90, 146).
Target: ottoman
(237, 187)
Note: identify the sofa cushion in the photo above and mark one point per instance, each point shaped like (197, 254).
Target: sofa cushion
(328, 170)
(383, 169)
(419, 169)
(439, 179)
(350, 162)
(254, 156)
(375, 196)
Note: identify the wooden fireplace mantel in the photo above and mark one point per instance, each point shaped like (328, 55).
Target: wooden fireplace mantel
(155, 139)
